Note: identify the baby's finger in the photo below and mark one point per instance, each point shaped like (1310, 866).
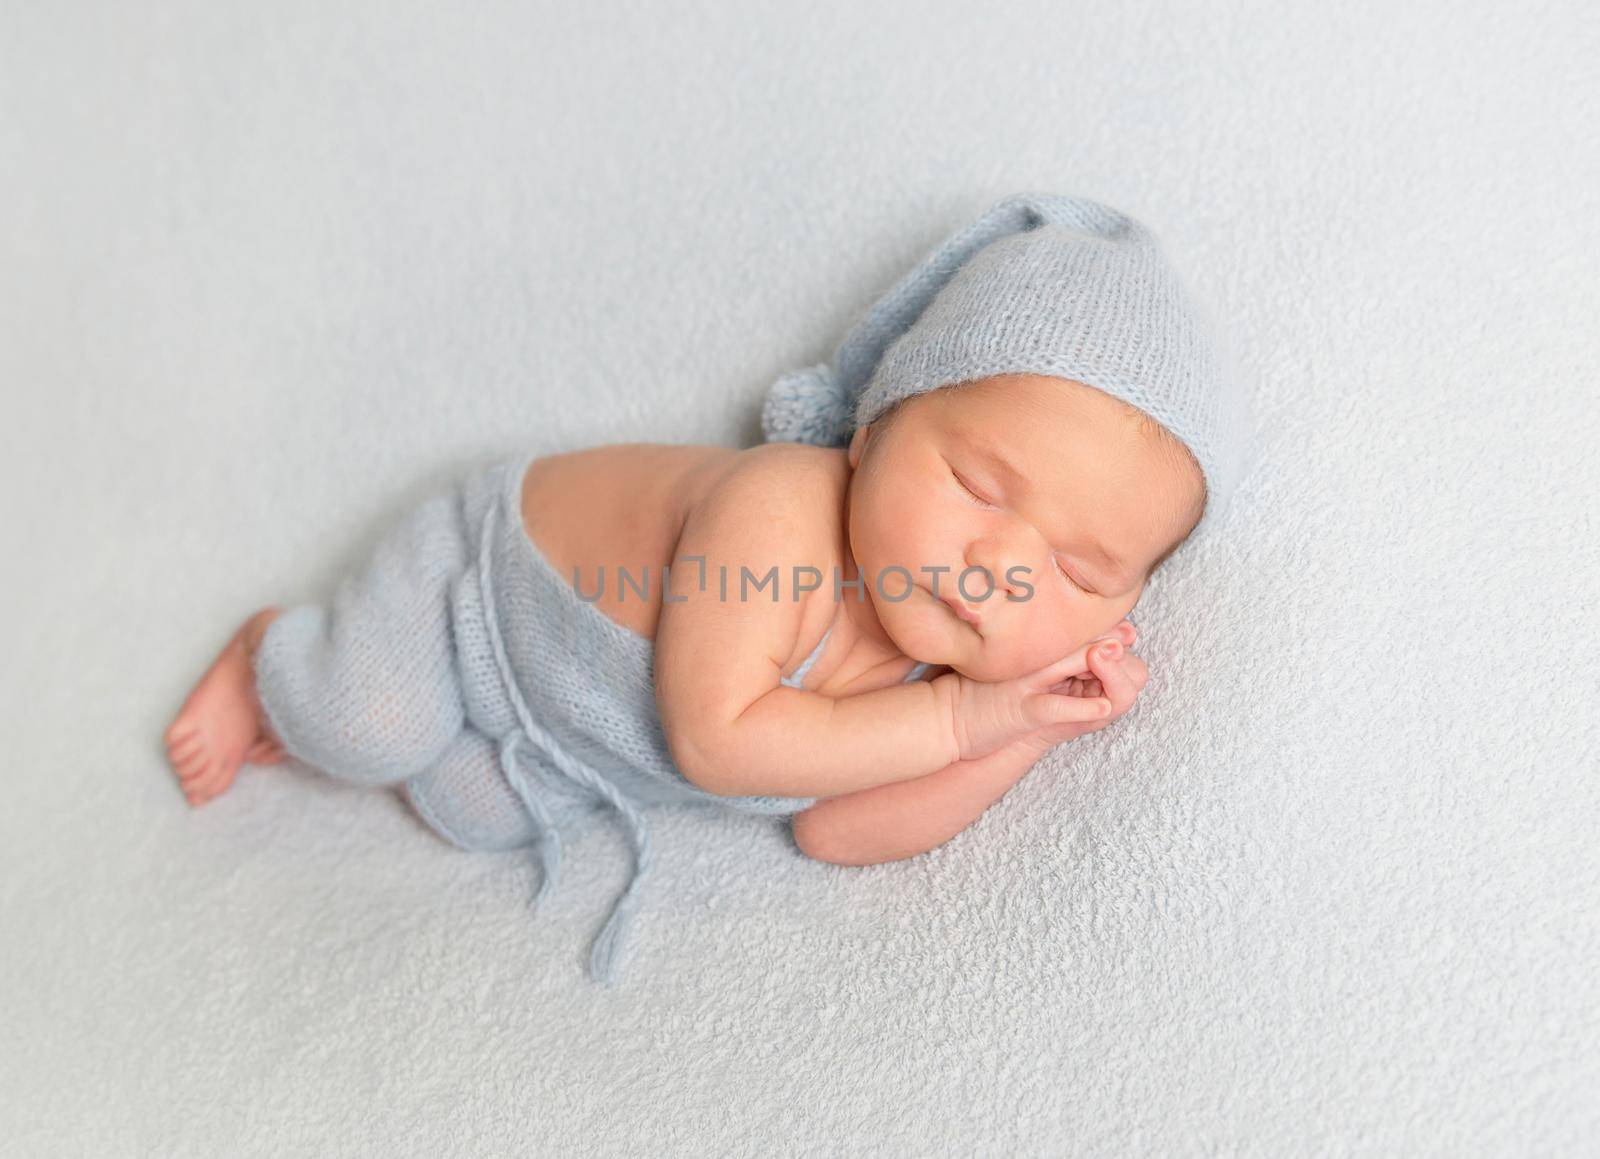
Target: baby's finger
(1116, 678)
(1077, 686)
(1046, 708)
(1074, 663)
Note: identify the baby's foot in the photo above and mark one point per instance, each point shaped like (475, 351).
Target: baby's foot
(221, 725)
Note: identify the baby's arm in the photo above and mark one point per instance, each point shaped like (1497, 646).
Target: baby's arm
(902, 820)
(891, 822)
(732, 727)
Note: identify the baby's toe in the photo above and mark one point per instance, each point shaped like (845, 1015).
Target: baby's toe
(191, 783)
(198, 794)
(214, 780)
(192, 764)
(184, 740)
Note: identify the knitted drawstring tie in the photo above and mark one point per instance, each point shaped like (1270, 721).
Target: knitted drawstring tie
(607, 944)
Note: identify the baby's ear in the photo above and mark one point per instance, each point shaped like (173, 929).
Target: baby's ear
(857, 442)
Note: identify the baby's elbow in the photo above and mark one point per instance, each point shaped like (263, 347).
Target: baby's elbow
(860, 859)
(822, 841)
(813, 839)
(699, 764)
(719, 759)
(708, 779)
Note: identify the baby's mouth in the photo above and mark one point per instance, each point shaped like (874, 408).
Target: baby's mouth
(960, 610)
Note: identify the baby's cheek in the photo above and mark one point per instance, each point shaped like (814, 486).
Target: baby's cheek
(1044, 640)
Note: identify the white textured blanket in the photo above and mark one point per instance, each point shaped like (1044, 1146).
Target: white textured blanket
(273, 272)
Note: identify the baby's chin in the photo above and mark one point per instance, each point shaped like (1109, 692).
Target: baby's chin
(926, 630)
(917, 625)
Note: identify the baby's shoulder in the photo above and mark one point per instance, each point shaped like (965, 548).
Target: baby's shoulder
(778, 489)
(793, 464)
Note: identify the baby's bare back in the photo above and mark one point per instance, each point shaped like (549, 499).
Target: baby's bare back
(615, 506)
(625, 505)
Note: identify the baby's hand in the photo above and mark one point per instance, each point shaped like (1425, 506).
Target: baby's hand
(1119, 677)
(1053, 702)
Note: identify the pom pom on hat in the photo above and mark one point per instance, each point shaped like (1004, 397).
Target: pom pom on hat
(808, 406)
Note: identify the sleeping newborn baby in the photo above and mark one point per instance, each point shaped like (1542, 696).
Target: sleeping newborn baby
(874, 623)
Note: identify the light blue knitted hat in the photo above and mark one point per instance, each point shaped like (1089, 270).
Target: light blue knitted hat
(1039, 284)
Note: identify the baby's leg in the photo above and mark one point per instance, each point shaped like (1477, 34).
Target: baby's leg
(465, 797)
(365, 688)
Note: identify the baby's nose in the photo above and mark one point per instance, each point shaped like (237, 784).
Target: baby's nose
(985, 581)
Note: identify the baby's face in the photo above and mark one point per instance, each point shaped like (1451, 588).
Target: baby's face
(1043, 480)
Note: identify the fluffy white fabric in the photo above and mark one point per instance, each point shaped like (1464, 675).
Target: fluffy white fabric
(273, 273)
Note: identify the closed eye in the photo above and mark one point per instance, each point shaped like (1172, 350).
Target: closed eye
(1075, 583)
(979, 498)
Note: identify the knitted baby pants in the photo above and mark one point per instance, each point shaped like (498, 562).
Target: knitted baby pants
(369, 687)
(460, 666)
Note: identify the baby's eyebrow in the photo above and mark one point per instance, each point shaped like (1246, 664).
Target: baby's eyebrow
(1019, 484)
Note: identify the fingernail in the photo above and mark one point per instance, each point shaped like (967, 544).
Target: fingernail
(1110, 651)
